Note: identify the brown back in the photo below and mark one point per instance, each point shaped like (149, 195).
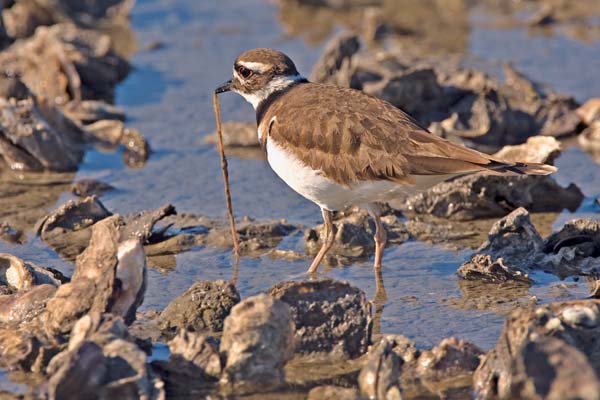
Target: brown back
(351, 136)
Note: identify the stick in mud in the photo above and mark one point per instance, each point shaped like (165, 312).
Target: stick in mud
(234, 235)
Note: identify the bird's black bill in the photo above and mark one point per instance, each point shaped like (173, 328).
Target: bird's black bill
(226, 87)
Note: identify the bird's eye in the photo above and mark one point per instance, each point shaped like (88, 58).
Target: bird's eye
(245, 72)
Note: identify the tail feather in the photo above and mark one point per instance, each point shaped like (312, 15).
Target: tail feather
(522, 169)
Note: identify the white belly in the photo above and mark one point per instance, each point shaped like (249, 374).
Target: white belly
(325, 192)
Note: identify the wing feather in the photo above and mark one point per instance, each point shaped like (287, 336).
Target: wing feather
(351, 136)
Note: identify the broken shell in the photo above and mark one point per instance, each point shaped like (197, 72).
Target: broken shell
(580, 316)
(14, 273)
(553, 324)
(131, 274)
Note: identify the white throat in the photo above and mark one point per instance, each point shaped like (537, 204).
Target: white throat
(274, 85)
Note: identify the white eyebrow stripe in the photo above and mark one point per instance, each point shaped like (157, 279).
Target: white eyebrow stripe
(254, 66)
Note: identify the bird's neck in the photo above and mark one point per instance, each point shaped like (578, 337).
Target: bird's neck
(275, 91)
(261, 98)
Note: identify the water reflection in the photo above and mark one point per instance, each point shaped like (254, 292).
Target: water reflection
(378, 301)
(497, 298)
(428, 25)
(439, 26)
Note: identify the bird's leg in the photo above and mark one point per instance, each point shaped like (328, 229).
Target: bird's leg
(380, 236)
(330, 230)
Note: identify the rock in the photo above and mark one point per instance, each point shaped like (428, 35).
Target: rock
(451, 358)
(542, 18)
(203, 307)
(485, 196)
(10, 234)
(487, 119)
(22, 276)
(5, 40)
(444, 371)
(537, 149)
(544, 352)
(574, 249)
(328, 392)
(405, 348)
(334, 64)
(139, 225)
(256, 238)
(554, 114)
(236, 134)
(583, 234)
(68, 229)
(19, 308)
(196, 351)
(88, 112)
(595, 288)
(353, 239)
(102, 361)
(519, 89)
(63, 62)
(559, 117)
(89, 187)
(589, 111)
(514, 247)
(258, 338)
(23, 18)
(331, 317)
(162, 253)
(106, 131)
(378, 379)
(184, 381)
(402, 87)
(512, 237)
(193, 368)
(24, 344)
(136, 149)
(484, 268)
(352, 242)
(83, 372)
(36, 136)
(589, 139)
(12, 87)
(14, 273)
(574, 377)
(108, 277)
(21, 350)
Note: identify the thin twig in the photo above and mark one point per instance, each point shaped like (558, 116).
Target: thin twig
(234, 235)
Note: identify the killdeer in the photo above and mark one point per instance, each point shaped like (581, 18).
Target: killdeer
(340, 147)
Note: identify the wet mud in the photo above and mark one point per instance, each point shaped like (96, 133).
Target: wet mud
(116, 274)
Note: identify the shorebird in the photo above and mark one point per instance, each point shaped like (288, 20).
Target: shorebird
(340, 147)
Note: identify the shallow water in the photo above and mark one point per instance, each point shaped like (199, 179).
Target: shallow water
(169, 98)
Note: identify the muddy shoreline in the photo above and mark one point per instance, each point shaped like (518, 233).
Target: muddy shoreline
(117, 280)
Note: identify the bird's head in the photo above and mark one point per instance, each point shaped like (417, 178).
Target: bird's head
(258, 73)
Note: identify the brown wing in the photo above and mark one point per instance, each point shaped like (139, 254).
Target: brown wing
(351, 136)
